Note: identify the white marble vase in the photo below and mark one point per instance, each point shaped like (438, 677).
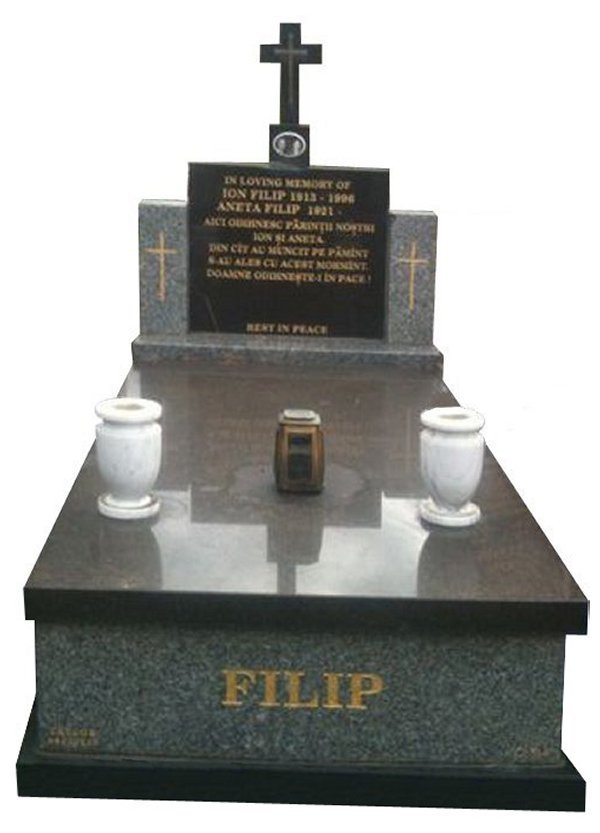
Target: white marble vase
(451, 465)
(128, 451)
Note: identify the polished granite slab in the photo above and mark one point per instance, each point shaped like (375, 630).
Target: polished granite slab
(228, 548)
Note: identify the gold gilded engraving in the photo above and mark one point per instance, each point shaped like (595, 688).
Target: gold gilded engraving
(270, 691)
(272, 688)
(332, 696)
(412, 262)
(161, 252)
(294, 685)
(72, 739)
(237, 682)
(361, 686)
(269, 328)
(290, 221)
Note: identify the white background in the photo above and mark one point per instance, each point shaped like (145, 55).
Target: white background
(485, 112)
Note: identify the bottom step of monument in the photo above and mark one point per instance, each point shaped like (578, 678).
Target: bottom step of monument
(502, 788)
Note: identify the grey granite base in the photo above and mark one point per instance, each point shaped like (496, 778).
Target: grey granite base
(160, 690)
(283, 350)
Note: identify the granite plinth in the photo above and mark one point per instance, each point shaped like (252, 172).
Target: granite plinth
(137, 624)
(89, 776)
(168, 692)
(285, 350)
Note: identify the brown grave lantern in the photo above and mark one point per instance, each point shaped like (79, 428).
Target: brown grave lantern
(299, 452)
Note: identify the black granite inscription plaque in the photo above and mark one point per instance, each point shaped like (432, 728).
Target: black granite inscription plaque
(287, 252)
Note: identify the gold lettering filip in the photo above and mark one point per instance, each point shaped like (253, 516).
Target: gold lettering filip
(270, 688)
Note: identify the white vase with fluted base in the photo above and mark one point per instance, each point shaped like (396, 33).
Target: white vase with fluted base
(128, 451)
(452, 450)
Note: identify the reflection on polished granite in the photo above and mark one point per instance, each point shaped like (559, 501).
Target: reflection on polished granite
(225, 534)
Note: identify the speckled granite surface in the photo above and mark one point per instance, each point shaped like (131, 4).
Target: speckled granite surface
(292, 350)
(163, 258)
(164, 300)
(159, 690)
(412, 244)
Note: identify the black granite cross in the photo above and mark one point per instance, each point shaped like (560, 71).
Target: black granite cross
(290, 53)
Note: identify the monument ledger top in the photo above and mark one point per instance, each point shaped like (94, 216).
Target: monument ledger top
(228, 546)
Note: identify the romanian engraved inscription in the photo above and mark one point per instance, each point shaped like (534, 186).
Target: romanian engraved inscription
(287, 252)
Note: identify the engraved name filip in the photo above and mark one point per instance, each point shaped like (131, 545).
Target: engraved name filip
(270, 688)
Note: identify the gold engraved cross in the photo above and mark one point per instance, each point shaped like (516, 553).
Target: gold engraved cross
(413, 261)
(161, 252)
